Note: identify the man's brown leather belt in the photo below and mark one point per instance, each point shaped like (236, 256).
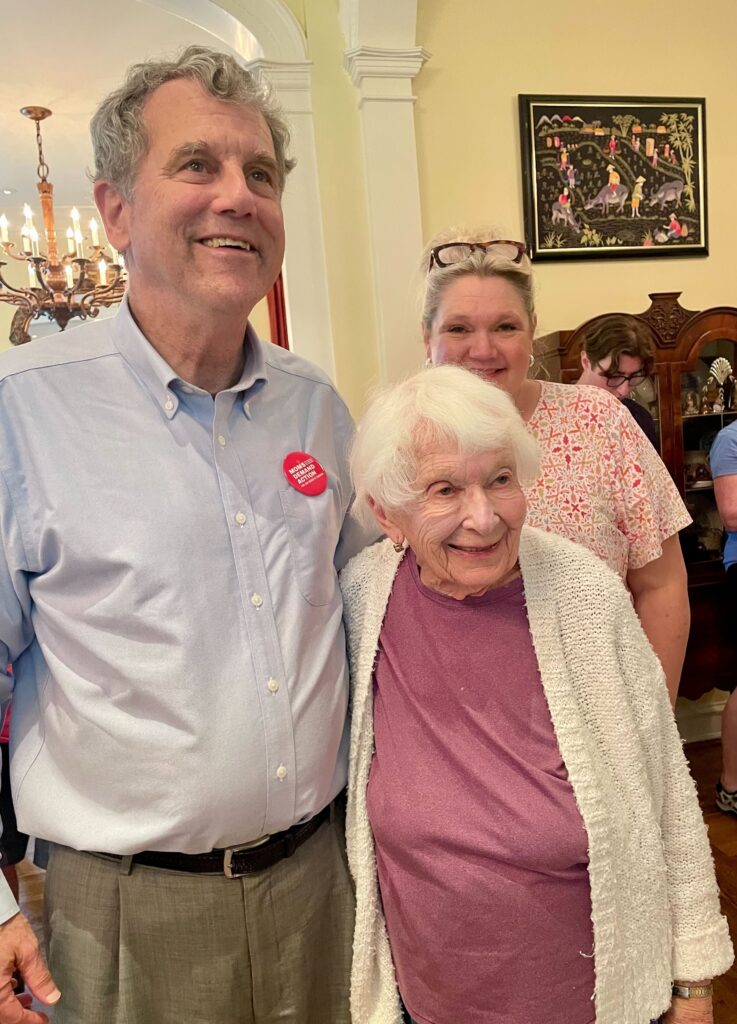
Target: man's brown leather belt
(235, 861)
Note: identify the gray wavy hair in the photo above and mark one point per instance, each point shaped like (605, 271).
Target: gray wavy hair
(118, 133)
(478, 264)
(444, 406)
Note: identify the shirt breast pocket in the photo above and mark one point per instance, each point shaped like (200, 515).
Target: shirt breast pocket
(313, 525)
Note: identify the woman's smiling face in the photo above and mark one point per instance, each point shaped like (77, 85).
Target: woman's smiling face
(465, 526)
(481, 323)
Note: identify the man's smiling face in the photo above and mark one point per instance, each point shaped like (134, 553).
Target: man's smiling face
(204, 227)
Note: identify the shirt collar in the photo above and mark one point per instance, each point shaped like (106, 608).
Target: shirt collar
(162, 383)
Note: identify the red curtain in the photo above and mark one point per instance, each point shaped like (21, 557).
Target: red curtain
(278, 314)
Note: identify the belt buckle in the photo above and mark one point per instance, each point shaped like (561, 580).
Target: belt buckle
(231, 850)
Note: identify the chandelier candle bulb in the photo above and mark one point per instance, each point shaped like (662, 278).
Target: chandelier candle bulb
(25, 236)
(34, 242)
(69, 276)
(28, 214)
(102, 270)
(71, 247)
(78, 240)
(32, 276)
(3, 228)
(94, 234)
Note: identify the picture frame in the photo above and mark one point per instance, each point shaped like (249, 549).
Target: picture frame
(609, 177)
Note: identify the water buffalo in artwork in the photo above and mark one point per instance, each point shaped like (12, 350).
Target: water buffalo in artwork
(564, 215)
(607, 197)
(668, 193)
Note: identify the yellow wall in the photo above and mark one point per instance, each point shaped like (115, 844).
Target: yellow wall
(485, 53)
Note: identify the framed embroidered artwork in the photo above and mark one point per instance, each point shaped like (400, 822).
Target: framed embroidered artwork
(604, 177)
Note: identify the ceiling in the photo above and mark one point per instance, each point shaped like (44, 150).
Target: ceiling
(68, 56)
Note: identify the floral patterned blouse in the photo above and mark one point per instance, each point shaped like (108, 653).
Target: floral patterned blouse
(602, 484)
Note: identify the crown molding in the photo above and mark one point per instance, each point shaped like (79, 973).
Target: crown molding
(291, 81)
(363, 62)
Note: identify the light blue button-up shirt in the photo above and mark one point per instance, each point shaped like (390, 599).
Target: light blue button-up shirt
(168, 601)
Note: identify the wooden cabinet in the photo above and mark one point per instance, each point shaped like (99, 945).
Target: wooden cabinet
(689, 407)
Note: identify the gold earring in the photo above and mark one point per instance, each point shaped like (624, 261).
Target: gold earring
(399, 546)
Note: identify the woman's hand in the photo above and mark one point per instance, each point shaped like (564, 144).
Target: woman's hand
(690, 1011)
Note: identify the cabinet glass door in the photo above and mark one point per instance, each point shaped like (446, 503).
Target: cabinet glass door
(708, 403)
(647, 395)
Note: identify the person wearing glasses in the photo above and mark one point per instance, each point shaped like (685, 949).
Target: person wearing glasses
(617, 354)
(601, 483)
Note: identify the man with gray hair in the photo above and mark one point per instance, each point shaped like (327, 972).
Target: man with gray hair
(173, 501)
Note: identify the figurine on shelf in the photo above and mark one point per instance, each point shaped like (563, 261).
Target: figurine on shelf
(719, 388)
(696, 470)
(691, 404)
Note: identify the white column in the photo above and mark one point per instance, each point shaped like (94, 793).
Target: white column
(305, 271)
(383, 78)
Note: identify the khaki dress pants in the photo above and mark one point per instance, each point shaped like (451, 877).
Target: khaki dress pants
(139, 945)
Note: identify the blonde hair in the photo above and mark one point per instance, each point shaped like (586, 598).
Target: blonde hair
(478, 264)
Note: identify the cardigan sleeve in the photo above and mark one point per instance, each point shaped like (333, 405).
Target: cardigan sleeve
(701, 947)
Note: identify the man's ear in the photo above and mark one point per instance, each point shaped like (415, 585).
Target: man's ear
(115, 213)
(386, 521)
(585, 362)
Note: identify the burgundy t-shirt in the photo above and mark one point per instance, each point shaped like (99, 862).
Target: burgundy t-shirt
(481, 850)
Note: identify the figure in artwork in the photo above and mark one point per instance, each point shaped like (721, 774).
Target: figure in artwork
(637, 196)
(674, 229)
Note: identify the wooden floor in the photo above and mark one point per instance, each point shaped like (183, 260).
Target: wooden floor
(705, 763)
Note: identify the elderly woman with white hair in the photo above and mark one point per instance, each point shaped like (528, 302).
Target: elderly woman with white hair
(523, 832)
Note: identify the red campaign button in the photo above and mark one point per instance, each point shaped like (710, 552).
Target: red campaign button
(305, 473)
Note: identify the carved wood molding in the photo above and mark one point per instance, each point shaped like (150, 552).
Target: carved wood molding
(666, 317)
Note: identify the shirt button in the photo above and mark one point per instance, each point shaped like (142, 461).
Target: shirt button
(240, 518)
(256, 600)
(281, 773)
(169, 404)
(221, 440)
(273, 685)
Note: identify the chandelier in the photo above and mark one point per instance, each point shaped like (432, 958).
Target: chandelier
(60, 288)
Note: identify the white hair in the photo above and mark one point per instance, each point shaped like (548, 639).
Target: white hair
(443, 405)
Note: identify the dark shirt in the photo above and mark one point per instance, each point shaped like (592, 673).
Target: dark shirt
(643, 419)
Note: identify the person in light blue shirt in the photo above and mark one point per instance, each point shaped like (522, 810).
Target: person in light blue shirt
(168, 595)
(723, 462)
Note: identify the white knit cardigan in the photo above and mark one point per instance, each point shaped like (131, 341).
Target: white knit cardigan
(655, 905)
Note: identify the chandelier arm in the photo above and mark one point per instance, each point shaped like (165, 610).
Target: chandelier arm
(18, 296)
(91, 303)
(37, 262)
(8, 246)
(103, 296)
(19, 300)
